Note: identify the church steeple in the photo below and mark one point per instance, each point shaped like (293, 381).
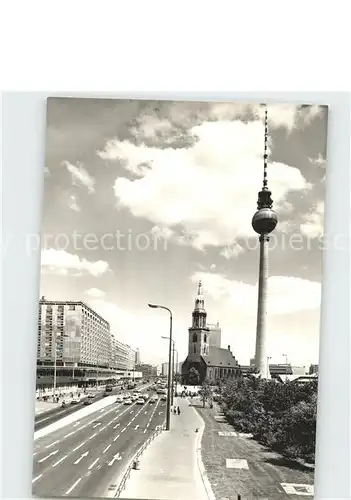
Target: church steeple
(198, 332)
(199, 301)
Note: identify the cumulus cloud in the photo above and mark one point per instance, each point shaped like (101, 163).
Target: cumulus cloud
(312, 226)
(80, 176)
(204, 195)
(286, 294)
(319, 160)
(63, 263)
(95, 293)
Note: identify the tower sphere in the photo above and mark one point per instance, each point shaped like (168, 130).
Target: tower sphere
(264, 221)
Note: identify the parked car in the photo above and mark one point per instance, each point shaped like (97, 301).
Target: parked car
(75, 401)
(119, 399)
(145, 395)
(153, 400)
(128, 401)
(163, 398)
(140, 401)
(91, 396)
(88, 401)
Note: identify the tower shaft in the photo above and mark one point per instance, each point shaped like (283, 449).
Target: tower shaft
(261, 362)
(263, 222)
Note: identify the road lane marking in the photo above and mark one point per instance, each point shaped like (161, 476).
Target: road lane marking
(85, 454)
(59, 461)
(115, 439)
(52, 444)
(92, 437)
(107, 447)
(77, 423)
(136, 427)
(36, 478)
(35, 453)
(70, 434)
(115, 427)
(132, 412)
(96, 425)
(115, 457)
(92, 465)
(73, 486)
(128, 424)
(145, 412)
(123, 430)
(79, 446)
(47, 456)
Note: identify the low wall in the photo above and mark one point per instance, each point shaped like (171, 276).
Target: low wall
(73, 417)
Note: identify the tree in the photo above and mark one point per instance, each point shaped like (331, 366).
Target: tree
(205, 392)
(194, 376)
(281, 416)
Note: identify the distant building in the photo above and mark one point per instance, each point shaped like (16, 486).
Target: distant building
(137, 357)
(209, 361)
(164, 369)
(147, 370)
(122, 355)
(214, 336)
(313, 369)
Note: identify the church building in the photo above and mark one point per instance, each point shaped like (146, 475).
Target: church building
(210, 361)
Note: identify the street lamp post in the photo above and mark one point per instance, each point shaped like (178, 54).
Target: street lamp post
(286, 366)
(173, 370)
(168, 415)
(54, 339)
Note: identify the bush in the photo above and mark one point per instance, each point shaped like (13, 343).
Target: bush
(281, 416)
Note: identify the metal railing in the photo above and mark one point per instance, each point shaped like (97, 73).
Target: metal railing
(133, 461)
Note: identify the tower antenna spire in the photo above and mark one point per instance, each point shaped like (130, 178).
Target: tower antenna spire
(265, 154)
(199, 289)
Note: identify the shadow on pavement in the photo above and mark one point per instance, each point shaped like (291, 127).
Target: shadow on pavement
(290, 464)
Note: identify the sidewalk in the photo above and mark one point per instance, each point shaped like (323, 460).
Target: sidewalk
(169, 467)
(43, 406)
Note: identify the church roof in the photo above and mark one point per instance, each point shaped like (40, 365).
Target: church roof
(220, 357)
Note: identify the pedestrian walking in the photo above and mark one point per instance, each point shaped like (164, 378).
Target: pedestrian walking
(178, 410)
(175, 410)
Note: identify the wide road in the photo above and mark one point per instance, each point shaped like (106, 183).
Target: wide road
(86, 458)
(49, 417)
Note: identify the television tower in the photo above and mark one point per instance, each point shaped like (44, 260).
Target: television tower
(263, 222)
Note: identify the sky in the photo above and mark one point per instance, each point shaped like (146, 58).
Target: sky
(144, 198)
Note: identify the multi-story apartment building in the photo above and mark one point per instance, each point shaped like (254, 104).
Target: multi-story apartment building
(79, 335)
(122, 355)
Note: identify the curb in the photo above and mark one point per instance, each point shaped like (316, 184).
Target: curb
(200, 464)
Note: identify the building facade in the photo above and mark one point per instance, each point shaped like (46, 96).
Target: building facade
(147, 370)
(205, 360)
(215, 335)
(122, 355)
(137, 357)
(81, 336)
(164, 369)
(72, 333)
